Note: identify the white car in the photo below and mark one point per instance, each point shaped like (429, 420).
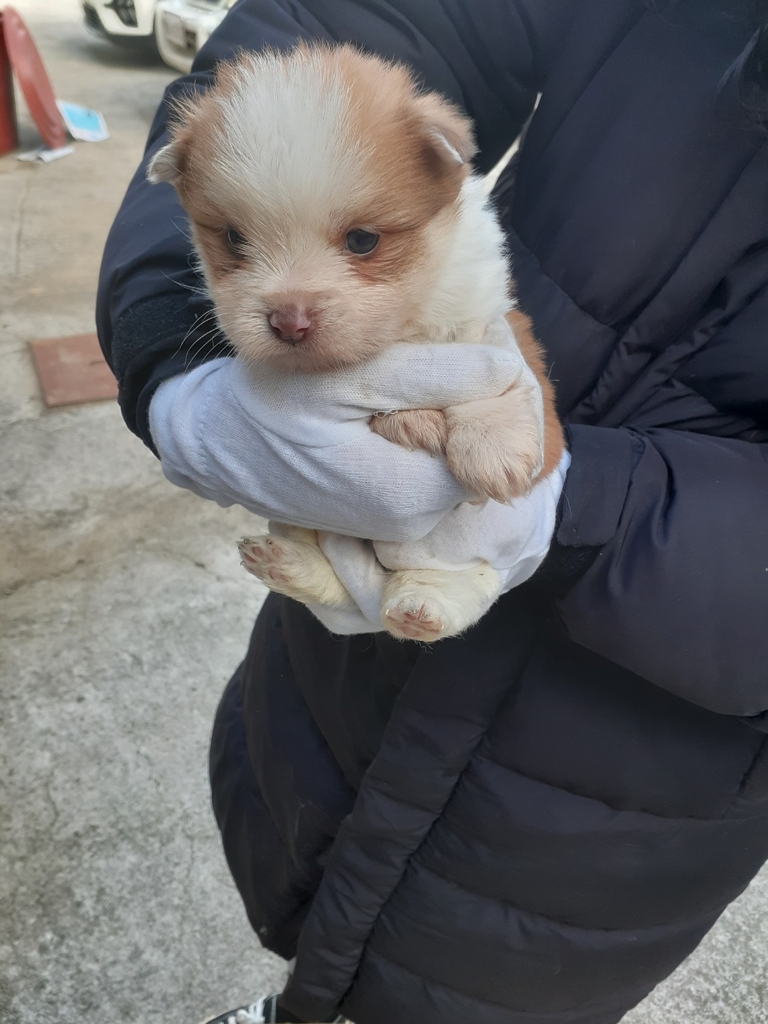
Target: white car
(178, 27)
(121, 20)
(182, 26)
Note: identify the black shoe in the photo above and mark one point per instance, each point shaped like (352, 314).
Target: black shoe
(263, 1011)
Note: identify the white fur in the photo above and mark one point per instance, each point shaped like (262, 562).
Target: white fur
(287, 153)
(468, 288)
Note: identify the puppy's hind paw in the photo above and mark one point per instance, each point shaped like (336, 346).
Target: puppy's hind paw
(293, 568)
(413, 617)
(432, 604)
(268, 559)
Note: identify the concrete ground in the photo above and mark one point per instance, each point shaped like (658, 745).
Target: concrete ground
(123, 613)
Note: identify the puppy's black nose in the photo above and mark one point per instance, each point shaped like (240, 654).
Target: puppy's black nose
(290, 323)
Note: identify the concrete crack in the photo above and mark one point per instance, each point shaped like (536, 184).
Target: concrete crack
(183, 556)
(14, 588)
(17, 234)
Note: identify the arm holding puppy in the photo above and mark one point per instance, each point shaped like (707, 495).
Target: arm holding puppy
(298, 448)
(513, 539)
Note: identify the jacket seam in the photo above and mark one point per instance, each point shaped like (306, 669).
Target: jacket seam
(747, 777)
(545, 917)
(622, 327)
(597, 799)
(604, 58)
(555, 1015)
(553, 281)
(436, 816)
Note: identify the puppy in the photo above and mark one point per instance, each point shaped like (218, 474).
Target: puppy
(334, 212)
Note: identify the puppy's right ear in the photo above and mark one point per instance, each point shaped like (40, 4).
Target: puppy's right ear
(169, 163)
(447, 133)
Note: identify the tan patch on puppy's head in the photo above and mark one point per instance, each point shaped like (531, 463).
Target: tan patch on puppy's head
(321, 185)
(419, 153)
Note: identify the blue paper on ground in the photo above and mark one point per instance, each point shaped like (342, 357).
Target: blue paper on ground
(82, 123)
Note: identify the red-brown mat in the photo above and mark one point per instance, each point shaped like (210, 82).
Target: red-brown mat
(72, 370)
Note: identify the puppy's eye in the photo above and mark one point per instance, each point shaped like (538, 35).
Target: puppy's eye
(235, 243)
(361, 242)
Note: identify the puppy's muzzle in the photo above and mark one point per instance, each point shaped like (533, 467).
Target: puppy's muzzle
(292, 324)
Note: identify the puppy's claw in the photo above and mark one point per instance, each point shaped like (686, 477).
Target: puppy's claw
(410, 619)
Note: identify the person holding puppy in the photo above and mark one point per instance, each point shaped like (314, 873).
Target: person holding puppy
(538, 820)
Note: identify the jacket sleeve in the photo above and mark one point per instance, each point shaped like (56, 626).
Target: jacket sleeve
(153, 317)
(666, 534)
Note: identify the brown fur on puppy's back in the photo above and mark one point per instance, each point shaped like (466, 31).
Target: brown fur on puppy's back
(554, 440)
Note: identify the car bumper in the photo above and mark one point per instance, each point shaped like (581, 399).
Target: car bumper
(105, 21)
(182, 27)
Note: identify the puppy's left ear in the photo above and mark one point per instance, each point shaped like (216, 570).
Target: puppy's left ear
(169, 163)
(448, 135)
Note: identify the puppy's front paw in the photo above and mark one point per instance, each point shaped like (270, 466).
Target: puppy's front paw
(413, 428)
(495, 447)
(490, 469)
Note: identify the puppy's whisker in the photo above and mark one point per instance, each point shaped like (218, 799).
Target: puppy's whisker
(207, 340)
(197, 290)
(199, 349)
(183, 228)
(209, 314)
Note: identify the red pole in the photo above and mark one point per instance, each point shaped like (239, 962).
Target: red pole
(9, 135)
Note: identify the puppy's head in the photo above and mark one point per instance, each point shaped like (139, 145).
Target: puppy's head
(320, 185)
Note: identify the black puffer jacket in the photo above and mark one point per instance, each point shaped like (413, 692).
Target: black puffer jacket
(535, 823)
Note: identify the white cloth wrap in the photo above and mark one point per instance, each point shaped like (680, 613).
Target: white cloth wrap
(514, 539)
(298, 448)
